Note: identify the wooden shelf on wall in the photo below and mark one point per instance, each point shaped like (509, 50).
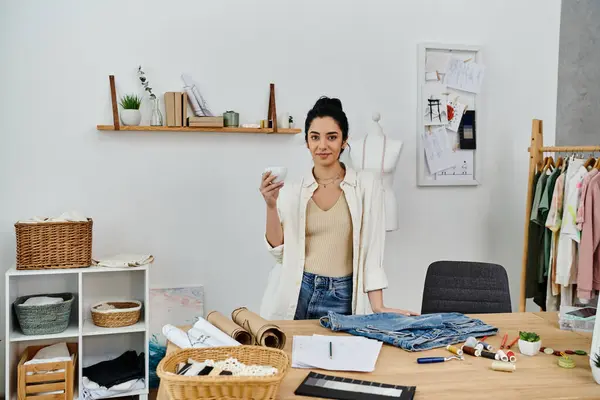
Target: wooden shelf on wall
(198, 129)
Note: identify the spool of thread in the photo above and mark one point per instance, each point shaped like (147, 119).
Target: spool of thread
(454, 350)
(488, 354)
(486, 346)
(471, 351)
(501, 356)
(503, 366)
(471, 342)
(511, 356)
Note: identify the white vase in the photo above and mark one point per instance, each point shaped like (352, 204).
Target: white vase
(131, 117)
(595, 371)
(529, 348)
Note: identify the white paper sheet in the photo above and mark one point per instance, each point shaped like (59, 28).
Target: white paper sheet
(459, 110)
(202, 334)
(438, 150)
(435, 104)
(437, 62)
(350, 353)
(462, 169)
(467, 76)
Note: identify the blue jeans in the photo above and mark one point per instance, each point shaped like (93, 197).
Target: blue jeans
(410, 333)
(320, 294)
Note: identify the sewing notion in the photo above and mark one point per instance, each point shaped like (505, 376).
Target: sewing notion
(432, 360)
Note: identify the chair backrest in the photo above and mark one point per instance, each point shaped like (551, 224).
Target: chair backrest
(466, 287)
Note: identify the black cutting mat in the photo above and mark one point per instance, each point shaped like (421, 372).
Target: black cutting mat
(336, 387)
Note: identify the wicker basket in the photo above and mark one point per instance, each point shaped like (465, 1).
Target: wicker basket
(225, 387)
(125, 313)
(46, 245)
(44, 319)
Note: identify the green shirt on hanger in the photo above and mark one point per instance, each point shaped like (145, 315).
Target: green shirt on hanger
(543, 209)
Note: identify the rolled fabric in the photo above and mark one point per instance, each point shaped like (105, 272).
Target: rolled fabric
(229, 327)
(264, 333)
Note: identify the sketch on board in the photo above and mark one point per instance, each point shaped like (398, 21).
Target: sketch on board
(177, 306)
(438, 150)
(435, 104)
(464, 75)
(455, 113)
(462, 169)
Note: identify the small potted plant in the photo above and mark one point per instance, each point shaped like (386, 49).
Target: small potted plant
(529, 343)
(595, 364)
(131, 115)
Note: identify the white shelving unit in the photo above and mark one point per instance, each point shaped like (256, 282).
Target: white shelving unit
(95, 344)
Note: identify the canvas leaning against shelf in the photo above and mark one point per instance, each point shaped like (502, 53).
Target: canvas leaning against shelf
(95, 344)
(449, 81)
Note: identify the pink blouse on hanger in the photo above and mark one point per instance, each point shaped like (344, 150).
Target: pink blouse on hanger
(588, 275)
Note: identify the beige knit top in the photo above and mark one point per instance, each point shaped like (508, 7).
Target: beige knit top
(329, 239)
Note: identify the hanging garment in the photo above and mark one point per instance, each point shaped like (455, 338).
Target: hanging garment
(553, 222)
(420, 333)
(534, 243)
(568, 230)
(588, 277)
(544, 210)
(584, 187)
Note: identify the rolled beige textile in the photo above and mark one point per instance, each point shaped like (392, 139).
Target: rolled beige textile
(229, 327)
(264, 333)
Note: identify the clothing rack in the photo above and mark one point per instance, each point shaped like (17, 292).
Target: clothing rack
(536, 158)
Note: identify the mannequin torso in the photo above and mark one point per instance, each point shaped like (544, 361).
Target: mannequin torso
(379, 154)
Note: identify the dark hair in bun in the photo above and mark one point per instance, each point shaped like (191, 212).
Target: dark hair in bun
(327, 107)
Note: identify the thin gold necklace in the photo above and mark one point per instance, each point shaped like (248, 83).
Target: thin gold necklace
(328, 180)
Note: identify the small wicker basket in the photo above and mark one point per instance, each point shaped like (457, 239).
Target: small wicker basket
(45, 245)
(125, 313)
(224, 387)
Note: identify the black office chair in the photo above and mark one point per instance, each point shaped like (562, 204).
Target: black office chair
(466, 287)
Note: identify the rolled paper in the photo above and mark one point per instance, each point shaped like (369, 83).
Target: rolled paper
(488, 354)
(471, 351)
(229, 327)
(503, 366)
(454, 350)
(502, 355)
(511, 356)
(264, 332)
(471, 342)
(203, 332)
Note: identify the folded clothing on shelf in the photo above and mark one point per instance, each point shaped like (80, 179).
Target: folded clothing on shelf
(58, 352)
(69, 216)
(126, 367)
(230, 366)
(419, 333)
(42, 301)
(92, 390)
(124, 260)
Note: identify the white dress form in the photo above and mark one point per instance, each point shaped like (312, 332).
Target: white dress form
(378, 153)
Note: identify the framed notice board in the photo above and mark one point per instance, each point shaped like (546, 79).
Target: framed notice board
(449, 84)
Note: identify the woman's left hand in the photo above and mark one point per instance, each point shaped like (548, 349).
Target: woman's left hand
(396, 311)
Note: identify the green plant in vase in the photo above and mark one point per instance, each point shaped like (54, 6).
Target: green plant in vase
(529, 343)
(595, 365)
(131, 115)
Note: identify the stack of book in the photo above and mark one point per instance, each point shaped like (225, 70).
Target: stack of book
(176, 104)
(206, 122)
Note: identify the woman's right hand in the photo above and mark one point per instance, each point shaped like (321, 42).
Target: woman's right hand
(270, 190)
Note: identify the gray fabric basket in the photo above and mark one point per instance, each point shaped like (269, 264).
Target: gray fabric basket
(44, 319)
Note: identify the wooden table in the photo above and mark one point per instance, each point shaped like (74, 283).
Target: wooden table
(537, 377)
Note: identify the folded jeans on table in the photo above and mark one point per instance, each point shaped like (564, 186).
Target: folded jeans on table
(418, 333)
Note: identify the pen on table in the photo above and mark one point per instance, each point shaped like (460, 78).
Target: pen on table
(330, 350)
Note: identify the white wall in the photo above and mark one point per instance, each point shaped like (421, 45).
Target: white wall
(191, 198)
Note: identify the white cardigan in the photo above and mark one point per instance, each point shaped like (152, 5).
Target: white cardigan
(364, 194)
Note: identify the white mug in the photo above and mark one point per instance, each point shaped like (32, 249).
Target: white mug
(279, 172)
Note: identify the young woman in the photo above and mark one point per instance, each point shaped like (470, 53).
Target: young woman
(326, 232)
